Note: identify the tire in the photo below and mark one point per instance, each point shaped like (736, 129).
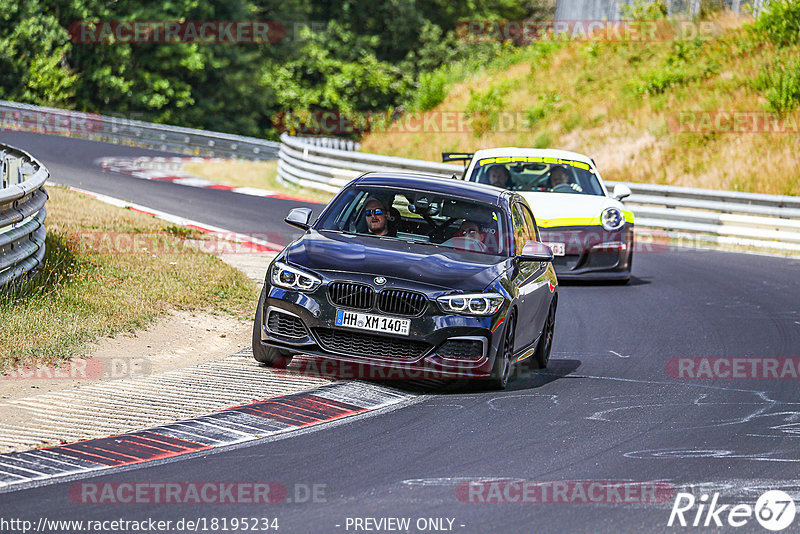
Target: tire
(503, 361)
(269, 356)
(542, 354)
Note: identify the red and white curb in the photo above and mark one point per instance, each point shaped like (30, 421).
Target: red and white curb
(232, 426)
(171, 170)
(250, 241)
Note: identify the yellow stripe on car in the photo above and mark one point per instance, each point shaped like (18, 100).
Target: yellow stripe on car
(534, 159)
(578, 221)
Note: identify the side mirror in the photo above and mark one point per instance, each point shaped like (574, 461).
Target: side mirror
(536, 251)
(299, 217)
(621, 191)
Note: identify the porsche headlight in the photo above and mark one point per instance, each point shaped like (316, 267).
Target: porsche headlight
(471, 304)
(289, 277)
(612, 219)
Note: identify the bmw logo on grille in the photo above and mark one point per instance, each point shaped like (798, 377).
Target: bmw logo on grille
(380, 280)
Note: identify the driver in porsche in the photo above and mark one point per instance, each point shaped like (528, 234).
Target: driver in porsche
(560, 180)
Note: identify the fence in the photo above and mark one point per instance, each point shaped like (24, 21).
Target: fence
(22, 213)
(701, 215)
(24, 117)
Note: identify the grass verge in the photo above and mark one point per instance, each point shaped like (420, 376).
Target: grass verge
(109, 270)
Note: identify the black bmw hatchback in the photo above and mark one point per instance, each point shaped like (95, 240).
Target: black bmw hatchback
(429, 276)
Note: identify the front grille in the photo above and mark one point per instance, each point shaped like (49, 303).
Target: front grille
(369, 345)
(399, 302)
(461, 349)
(351, 295)
(604, 259)
(286, 325)
(570, 261)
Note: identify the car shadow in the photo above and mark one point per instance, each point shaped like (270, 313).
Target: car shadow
(536, 378)
(521, 377)
(634, 281)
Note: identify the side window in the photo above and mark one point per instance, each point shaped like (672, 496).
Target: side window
(521, 234)
(530, 222)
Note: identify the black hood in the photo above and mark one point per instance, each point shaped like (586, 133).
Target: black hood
(436, 266)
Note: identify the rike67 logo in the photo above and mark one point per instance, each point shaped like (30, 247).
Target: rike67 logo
(774, 510)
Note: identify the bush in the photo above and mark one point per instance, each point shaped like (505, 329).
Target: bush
(684, 65)
(780, 82)
(484, 108)
(780, 23)
(431, 90)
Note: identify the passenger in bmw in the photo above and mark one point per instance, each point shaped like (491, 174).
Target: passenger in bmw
(468, 237)
(377, 215)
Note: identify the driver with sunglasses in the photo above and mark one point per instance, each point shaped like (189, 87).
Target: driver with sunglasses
(378, 218)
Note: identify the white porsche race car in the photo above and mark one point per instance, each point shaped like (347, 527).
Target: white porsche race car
(588, 229)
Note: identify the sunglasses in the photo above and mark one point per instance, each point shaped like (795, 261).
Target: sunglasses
(376, 211)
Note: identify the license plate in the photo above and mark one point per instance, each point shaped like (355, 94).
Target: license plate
(373, 323)
(557, 248)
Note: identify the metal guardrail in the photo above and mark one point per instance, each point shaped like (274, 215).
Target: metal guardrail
(25, 117)
(22, 213)
(700, 215)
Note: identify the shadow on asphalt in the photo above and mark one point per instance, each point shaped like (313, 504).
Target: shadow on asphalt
(521, 376)
(634, 281)
(521, 379)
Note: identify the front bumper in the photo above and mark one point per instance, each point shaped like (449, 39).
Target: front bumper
(438, 345)
(591, 252)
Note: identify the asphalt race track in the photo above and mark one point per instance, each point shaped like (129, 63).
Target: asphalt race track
(611, 408)
(71, 162)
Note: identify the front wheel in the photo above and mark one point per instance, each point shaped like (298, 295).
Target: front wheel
(545, 345)
(269, 356)
(504, 360)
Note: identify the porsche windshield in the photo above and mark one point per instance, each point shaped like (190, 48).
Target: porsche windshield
(419, 217)
(537, 174)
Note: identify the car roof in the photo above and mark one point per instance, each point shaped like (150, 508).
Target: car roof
(445, 186)
(541, 152)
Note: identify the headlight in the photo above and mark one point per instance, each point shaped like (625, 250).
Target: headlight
(472, 304)
(283, 275)
(612, 219)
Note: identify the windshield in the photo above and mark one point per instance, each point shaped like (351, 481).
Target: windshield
(537, 174)
(419, 217)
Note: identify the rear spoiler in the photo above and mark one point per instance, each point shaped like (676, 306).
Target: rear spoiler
(456, 156)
